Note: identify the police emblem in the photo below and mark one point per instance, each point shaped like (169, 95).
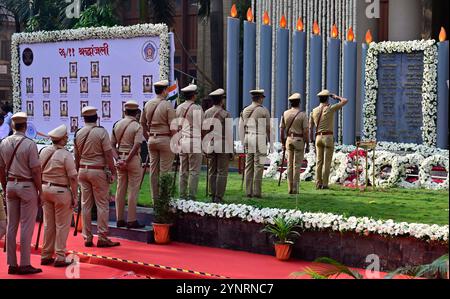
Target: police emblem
(149, 51)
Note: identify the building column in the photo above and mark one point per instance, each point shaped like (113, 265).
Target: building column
(405, 20)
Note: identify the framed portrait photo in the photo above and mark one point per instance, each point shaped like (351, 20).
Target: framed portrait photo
(30, 108)
(73, 124)
(46, 85)
(64, 108)
(73, 70)
(106, 109)
(63, 85)
(106, 84)
(29, 85)
(147, 82)
(82, 105)
(46, 108)
(84, 85)
(126, 84)
(95, 69)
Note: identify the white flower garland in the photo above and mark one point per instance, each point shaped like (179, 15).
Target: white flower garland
(405, 163)
(116, 32)
(425, 172)
(310, 171)
(315, 221)
(338, 168)
(385, 159)
(429, 87)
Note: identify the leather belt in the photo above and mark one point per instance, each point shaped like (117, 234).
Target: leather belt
(123, 153)
(20, 180)
(92, 167)
(53, 184)
(294, 135)
(324, 133)
(160, 135)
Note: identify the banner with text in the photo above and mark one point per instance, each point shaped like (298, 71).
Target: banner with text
(59, 79)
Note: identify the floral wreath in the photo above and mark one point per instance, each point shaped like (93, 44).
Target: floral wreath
(385, 159)
(427, 166)
(338, 168)
(115, 32)
(350, 176)
(429, 86)
(309, 172)
(406, 162)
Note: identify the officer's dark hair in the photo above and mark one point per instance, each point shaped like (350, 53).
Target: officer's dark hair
(159, 89)
(323, 99)
(6, 107)
(2, 119)
(90, 119)
(19, 127)
(131, 112)
(216, 99)
(295, 103)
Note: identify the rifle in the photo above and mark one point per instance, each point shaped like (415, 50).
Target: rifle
(282, 163)
(243, 174)
(75, 233)
(147, 163)
(177, 164)
(41, 220)
(207, 177)
(3, 197)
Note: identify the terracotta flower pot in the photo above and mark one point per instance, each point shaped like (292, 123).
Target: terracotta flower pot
(80, 222)
(283, 251)
(161, 233)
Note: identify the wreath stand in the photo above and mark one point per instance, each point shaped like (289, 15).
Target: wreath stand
(366, 146)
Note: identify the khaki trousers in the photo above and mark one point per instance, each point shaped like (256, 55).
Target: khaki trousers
(22, 205)
(190, 165)
(161, 160)
(2, 228)
(295, 149)
(254, 169)
(128, 180)
(57, 217)
(218, 174)
(94, 189)
(325, 151)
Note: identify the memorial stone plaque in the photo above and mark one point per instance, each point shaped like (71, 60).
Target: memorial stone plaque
(399, 104)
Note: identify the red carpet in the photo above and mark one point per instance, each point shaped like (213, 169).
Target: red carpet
(176, 260)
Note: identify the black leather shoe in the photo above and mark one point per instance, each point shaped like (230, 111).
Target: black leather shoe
(25, 270)
(89, 244)
(107, 243)
(13, 270)
(135, 225)
(63, 264)
(45, 262)
(121, 223)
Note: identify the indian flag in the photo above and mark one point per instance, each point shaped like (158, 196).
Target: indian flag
(173, 92)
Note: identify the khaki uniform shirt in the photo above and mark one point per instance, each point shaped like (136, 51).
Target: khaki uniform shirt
(162, 117)
(188, 121)
(2, 208)
(60, 167)
(327, 120)
(256, 112)
(299, 124)
(130, 132)
(27, 156)
(95, 147)
(221, 115)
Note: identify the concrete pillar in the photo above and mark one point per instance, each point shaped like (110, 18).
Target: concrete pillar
(405, 20)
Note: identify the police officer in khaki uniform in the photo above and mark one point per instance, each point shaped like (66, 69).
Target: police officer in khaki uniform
(294, 136)
(126, 141)
(2, 217)
(59, 184)
(156, 120)
(218, 152)
(20, 176)
(191, 116)
(322, 120)
(94, 159)
(255, 121)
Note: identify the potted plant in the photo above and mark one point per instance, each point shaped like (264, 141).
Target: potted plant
(163, 215)
(282, 230)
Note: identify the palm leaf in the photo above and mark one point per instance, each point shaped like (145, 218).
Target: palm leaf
(332, 268)
(437, 269)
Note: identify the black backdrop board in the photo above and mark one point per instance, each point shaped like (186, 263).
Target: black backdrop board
(399, 104)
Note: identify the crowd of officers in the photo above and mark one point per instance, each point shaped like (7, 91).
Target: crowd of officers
(51, 178)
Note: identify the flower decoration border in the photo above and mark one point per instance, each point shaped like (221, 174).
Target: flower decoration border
(429, 86)
(115, 32)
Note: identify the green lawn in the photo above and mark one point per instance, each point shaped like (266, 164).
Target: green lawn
(419, 206)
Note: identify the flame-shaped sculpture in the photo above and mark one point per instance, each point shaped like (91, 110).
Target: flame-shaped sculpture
(300, 24)
(250, 15)
(316, 29)
(266, 19)
(442, 35)
(369, 38)
(334, 31)
(234, 11)
(283, 22)
(350, 35)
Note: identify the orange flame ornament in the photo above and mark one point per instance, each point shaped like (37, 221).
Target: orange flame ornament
(334, 31)
(300, 24)
(442, 35)
(283, 22)
(234, 11)
(316, 29)
(369, 38)
(350, 35)
(266, 19)
(250, 15)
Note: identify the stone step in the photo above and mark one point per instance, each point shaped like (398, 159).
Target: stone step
(140, 235)
(143, 215)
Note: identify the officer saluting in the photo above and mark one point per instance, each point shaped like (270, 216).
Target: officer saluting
(255, 119)
(294, 136)
(126, 141)
(322, 118)
(192, 117)
(20, 176)
(94, 159)
(59, 184)
(156, 119)
(219, 158)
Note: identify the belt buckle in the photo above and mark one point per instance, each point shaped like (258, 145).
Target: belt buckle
(155, 135)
